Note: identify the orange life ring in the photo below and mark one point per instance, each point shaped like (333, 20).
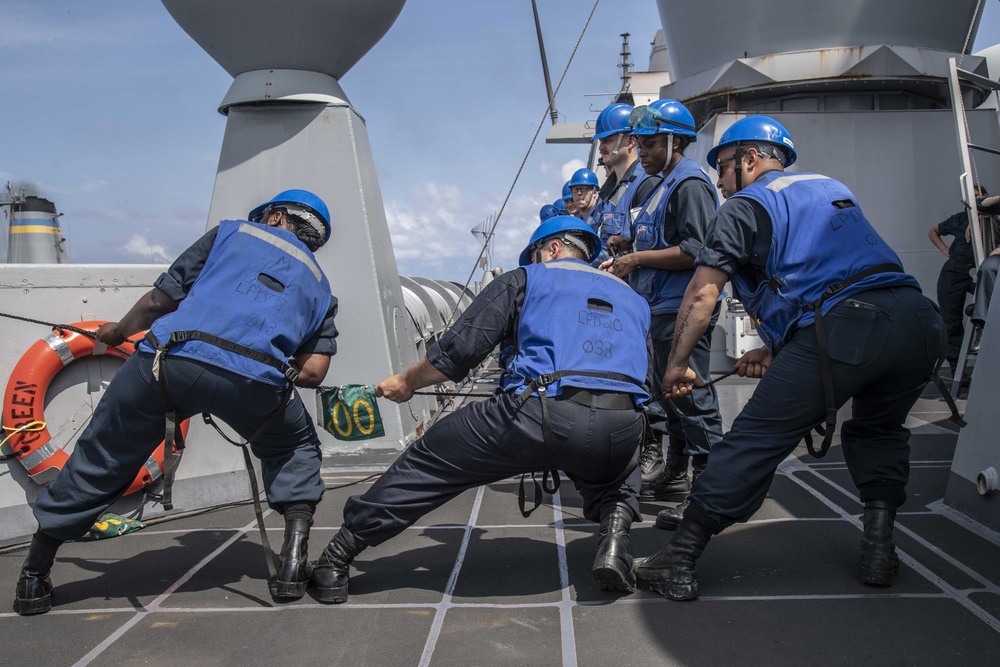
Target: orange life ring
(25, 397)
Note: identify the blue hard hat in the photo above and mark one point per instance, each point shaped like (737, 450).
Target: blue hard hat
(561, 226)
(302, 198)
(663, 117)
(548, 211)
(613, 120)
(567, 193)
(583, 177)
(754, 129)
(560, 206)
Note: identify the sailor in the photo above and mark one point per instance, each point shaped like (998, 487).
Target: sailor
(955, 280)
(840, 319)
(666, 236)
(627, 184)
(574, 359)
(257, 313)
(583, 185)
(567, 199)
(546, 212)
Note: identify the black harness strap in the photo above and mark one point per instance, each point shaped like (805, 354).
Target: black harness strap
(174, 437)
(539, 384)
(830, 423)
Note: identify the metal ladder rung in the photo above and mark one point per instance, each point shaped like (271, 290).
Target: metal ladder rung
(978, 79)
(985, 149)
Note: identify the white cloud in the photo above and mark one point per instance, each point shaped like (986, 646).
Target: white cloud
(151, 252)
(569, 167)
(432, 236)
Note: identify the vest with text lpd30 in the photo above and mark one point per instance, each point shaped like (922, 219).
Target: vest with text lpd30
(663, 289)
(820, 237)
(260, 287)
(576, 318)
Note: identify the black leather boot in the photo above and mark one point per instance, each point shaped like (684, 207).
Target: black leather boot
(670, 518)
(670, 571)
(332, 572)
(613, 563)
(651, 456)
(293, 575)
(34, 587)
(879, 563)
(672, 484)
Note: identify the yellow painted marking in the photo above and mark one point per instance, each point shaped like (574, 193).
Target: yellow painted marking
(34, 229)
(164, 624)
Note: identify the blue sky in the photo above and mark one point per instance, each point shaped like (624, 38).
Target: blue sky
(110, 111)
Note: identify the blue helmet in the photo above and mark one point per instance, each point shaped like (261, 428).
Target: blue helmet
(663, 117)
(752, 130)
(613, 120)
(567, 193)
(548, 211)
(301, 198)
(569, 229)
(560, 206)
(583, 177)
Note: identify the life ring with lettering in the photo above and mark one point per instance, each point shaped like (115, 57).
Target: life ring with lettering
(23, 419)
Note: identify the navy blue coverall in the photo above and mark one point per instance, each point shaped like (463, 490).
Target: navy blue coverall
(128, 423)
(493, 439)
(883, 344)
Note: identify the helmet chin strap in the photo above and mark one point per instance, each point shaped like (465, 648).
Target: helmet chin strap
(618, 145)
(738, 166)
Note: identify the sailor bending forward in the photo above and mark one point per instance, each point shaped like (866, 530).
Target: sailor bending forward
(820, 282)
(261, 271)
(575, 358)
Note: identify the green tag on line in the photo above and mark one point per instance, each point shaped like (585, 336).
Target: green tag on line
(349, 412)
(112, 525)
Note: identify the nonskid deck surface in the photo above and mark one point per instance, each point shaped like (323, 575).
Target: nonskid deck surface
(475, 584)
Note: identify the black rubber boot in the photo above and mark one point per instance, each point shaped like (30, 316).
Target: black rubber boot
(613, 563)
(34, 586)
(293, 575)
(670, 518)
(672, 484)
(651, 456)
(333, 569)
(879, 563)
(670, 571)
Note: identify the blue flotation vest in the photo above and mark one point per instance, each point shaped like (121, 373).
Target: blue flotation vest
(663, 289)
(261, 289)
(820, 239)
(576, 318)
(614, 219)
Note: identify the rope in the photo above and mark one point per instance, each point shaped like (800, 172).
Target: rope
(30, 427)
(541, 123)
(61, 327)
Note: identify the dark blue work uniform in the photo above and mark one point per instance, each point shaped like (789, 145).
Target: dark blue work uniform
(955, 281)
(784, 239)
(616, 200)
(248, 283)
(560, 315)
(677, 213)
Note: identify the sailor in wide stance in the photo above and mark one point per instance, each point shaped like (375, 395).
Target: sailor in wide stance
(241, 315)
(575, 358)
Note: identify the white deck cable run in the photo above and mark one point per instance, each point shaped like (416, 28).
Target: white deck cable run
(566, 604)
(445, 604)
(155, 604)
(794, 465)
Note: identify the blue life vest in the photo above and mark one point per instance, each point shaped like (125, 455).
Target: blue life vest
(261, 288)
(576, 318)
(820, 237)
(615, 217)
(662, 288)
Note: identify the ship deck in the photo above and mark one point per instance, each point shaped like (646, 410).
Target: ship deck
(475, 584)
